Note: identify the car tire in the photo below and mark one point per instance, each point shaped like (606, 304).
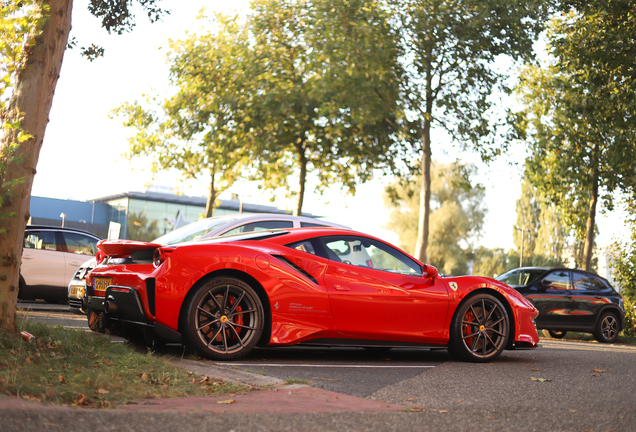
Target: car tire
(480, 329)
(93, 319)
(224, 319)
(607, 328)
(556, 334)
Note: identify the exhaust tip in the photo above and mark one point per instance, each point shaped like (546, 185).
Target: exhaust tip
(110, 307)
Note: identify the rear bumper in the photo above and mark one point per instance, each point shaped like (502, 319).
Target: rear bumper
(122, 304)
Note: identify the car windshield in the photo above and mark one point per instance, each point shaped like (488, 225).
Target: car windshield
(194, 230)
(519, 277)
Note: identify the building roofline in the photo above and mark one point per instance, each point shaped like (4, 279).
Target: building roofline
(192, 200)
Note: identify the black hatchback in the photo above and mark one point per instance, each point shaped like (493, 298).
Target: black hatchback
(570, 300)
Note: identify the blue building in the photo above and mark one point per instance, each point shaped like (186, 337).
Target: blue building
(142, 215)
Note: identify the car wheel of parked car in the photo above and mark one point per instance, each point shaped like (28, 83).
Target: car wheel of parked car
(607, 328)
(224, 319)
(480, 329)
(555, 334)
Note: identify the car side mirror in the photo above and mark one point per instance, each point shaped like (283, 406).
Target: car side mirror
(430, 272)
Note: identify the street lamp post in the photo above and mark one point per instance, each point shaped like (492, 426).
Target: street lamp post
(522, 238)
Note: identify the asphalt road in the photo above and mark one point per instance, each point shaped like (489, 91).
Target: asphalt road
(561, 386)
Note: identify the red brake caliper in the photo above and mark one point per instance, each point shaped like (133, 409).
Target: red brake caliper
(468, 328)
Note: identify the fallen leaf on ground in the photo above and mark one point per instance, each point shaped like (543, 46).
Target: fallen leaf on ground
(226, 402)
(144, 376)
(31, 398)
(573, 411)
(414, 409)
(325, 379)
(596, 375)
(61, 379)
(599, 370)
(534, 369)
(443, 411)
(28, 361)
(164, 387)
(102, 391)
(410, 399)
(540, 379)
(81, 399)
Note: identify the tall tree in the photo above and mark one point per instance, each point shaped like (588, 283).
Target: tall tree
(450, 51)
(457, 219)
(24, 120)
(544, 235)
(325, 92)
(525, 230)
(200, 130)
(579, 121)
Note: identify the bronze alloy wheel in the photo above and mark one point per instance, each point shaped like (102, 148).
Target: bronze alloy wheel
(480, 329)
(225, 319)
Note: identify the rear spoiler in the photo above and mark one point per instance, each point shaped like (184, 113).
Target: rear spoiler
(124, 247)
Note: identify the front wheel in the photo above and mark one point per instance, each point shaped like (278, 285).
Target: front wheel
(555, 334)
(607, 328)
(480, 329)
(224, 319)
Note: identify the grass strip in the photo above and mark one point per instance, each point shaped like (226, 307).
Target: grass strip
(78, 368)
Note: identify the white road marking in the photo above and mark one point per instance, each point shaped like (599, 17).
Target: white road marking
(586, 346)
(322, 365)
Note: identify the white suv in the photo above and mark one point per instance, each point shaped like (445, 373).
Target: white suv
(50, 258)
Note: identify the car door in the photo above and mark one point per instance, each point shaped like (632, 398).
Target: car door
(377, 292)
(43, 262)
(552, 296)
(77, 248)
(590, 295)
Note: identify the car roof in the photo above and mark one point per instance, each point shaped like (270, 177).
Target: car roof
(273, 216)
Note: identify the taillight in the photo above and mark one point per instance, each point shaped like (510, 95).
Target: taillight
(100, 257)
(160, 255)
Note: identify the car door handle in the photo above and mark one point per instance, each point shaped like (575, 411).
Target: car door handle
(341, 287)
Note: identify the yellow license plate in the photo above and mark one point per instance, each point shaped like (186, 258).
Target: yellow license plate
(77, 291)
(101, 284)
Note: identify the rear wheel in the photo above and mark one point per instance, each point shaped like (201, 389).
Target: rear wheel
(480, 329)
(224, 319)
(555, 334)
(607, 328)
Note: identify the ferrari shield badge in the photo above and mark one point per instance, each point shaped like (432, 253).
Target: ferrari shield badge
(453, 285)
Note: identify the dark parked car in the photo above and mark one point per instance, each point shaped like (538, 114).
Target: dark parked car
(570, 300)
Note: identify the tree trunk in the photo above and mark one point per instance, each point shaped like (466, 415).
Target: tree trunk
(302, 161)
(32, 97)
(209, 205)
(588, 249)
(421, 244)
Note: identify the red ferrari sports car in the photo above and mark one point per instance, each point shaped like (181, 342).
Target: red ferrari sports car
(310, 286)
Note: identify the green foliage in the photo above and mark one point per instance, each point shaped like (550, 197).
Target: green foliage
(623, 265)
(117, 17)
(325, 92)
(544, 236)
(579, 113)
(200, 130)
(456, 220)
(450, 51)
(491, 262)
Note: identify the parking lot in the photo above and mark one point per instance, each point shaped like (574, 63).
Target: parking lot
(562, 385)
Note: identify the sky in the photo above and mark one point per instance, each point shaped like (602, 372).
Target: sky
(81, 157)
